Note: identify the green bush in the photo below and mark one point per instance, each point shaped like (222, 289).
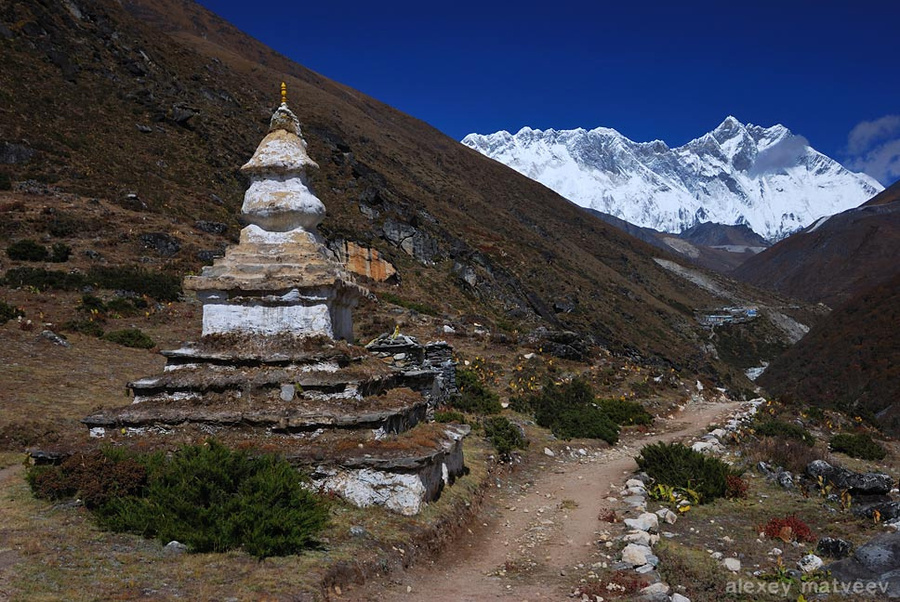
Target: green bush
(27, 250)
(208, 497)
(213, 499)
(625, 413)
(9, 312)
(88, 327)
(474, 396)
(785, 430)
(504, 436)
(5, 181)
(91, 303)
(676, 465)
(161, 286)
(43, 280)
(570, 411)
(449, 416)
(858, 445)
(60, 253)
(130, 337)
(126, 307)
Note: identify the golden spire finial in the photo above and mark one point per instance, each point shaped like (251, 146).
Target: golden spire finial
(283, 93)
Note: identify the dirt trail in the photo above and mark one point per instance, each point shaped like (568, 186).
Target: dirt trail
(538, 527)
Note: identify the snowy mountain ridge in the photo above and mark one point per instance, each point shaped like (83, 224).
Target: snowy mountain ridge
(766, 178)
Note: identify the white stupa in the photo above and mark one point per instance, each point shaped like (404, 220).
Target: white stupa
(279, 278)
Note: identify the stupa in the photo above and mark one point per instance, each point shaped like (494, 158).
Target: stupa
(274, 369)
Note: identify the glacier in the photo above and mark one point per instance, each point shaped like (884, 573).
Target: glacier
(766, 178)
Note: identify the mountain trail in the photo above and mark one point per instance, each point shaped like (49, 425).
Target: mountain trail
(538, 526)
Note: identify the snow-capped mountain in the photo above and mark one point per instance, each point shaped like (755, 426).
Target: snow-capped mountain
(766, 178)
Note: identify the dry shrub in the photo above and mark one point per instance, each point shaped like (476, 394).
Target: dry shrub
(787, 529)
(735, 487)
(790, 454)
(609, 516)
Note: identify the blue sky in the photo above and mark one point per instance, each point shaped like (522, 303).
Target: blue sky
(668, 70)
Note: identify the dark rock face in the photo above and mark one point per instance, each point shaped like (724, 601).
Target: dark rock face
(887, 511)
(869, 483)
(162, 243)
(834, 547)
(876, 561)
(415, 242)
(211, 227)
(562, 344)
(13, 154)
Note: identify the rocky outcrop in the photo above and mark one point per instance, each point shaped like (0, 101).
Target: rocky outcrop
(874, 562)
(869, 483)
(365, 261)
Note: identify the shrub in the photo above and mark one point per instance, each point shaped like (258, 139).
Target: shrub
(42, 279)
(88, 327)
(27, 250)
(789, 528)
(214, 499)
(449, 416)
(784, 430)
(126, 307)
(678, 466)
(735, 487)
(96, 477)
(858, 445)
(162, 286)
(5, 181)
(625, 413)
(130, 337)
(789, 454)
(474, 396)
(504, 435)
(49, 483)
(60, 253)
(569, 411)
(9, 312)
(91, 303)
(207, 496)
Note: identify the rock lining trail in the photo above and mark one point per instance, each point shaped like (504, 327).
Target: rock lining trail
(538, 533)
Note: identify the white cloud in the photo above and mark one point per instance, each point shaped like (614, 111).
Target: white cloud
(874, 148)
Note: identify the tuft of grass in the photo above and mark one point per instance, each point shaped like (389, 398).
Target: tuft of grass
(422, 308)
(449, 416)
(130, 337)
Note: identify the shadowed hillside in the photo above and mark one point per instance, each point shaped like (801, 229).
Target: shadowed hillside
(850, 361)
(835, 258)
(99, 102)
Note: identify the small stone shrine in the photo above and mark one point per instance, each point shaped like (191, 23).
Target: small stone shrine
(271, 371)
